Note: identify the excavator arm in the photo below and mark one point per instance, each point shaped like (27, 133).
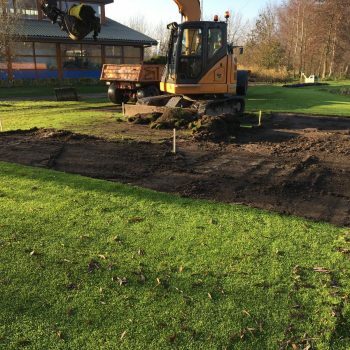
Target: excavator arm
(80, 20)
(189, 9)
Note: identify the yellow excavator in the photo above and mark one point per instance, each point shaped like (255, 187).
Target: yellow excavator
(201, 70)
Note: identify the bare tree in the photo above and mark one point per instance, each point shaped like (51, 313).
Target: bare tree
(140, 24)
(9, 30)
(237, 29)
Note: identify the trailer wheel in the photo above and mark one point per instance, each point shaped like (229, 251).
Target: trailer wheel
(242, 82)
(148, 91)
(152, 91)
(116, 96)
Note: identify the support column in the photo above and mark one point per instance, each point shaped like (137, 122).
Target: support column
(103, 54)
(40, 13)
(103, 14)
(9, 63)
(59, 61)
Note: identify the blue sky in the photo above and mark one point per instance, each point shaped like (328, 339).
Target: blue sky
(166, 10)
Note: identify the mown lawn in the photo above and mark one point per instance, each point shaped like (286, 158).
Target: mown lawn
(40, 91)
(89, 264)
(321, 100)
(51, 114)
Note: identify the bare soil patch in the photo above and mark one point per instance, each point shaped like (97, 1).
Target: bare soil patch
(295, 164)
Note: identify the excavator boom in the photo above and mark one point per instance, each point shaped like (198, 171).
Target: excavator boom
(189, 9)
(80, 20)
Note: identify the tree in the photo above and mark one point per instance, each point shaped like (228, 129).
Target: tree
(237, 29)
(9, 28)
(263, 47)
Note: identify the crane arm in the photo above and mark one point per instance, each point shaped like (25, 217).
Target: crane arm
(189, 9)
(80, 20)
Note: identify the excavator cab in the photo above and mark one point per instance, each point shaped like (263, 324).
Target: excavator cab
(200, 60)
(195, 48)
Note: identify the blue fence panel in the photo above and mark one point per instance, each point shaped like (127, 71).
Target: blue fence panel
(24, 74)
(47, 74)
(3, 75)
(51, 74)
(76, 74)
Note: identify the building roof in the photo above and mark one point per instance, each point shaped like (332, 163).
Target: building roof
(111, 32)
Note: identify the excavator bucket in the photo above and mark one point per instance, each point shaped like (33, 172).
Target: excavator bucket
(79, 21)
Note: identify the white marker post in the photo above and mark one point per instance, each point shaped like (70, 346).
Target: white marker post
(174, 141)
(260, 118)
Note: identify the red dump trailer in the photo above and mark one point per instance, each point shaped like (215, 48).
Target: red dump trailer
(132, 81)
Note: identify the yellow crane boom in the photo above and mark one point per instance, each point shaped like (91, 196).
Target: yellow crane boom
(189, 9)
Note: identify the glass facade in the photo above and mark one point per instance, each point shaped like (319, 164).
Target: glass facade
(59, 60)
(77, 56)
(123, 54)
(27, 8)
(66, 5)
(42, 60)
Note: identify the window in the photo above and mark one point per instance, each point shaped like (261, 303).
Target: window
(215, 41)
(22, 49)
(132, 54)
(113, 51)
(191, 60)
(22, 55)
(45, 56)
(92, 50)
(45, 49)
(27, 8)
(20, 63)
(49, 63)
(192, 42)
(66, 5)
(77, 56)
(113, 60)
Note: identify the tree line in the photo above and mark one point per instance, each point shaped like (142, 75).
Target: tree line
(302, 36)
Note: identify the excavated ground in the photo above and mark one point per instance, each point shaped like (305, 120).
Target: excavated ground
(294, 164)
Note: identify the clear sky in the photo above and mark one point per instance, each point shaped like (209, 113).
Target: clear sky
(166, 10)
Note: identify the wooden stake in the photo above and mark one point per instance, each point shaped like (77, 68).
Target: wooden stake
(174, 141)
(123, 109)
(0, 126)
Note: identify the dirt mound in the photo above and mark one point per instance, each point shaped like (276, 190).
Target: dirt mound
(214, 128)
(313, 143)
(174, 118)
(144, 119)
(282, 167)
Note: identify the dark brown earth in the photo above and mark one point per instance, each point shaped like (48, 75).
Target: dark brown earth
(294, 164)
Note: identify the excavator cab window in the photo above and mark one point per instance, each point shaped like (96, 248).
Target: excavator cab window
(190, 65)
(215, 41)
(200, 45)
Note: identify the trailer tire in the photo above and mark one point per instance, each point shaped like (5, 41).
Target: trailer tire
(149, 91)
(116, 95)
(242, 82)
(152, 91)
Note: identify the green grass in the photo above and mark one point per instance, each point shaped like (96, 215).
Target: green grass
(311, 100)
(42, 91)
(200, 275)
(77, 116)
(50, 114)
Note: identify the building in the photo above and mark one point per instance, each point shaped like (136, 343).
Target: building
(46, 52)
